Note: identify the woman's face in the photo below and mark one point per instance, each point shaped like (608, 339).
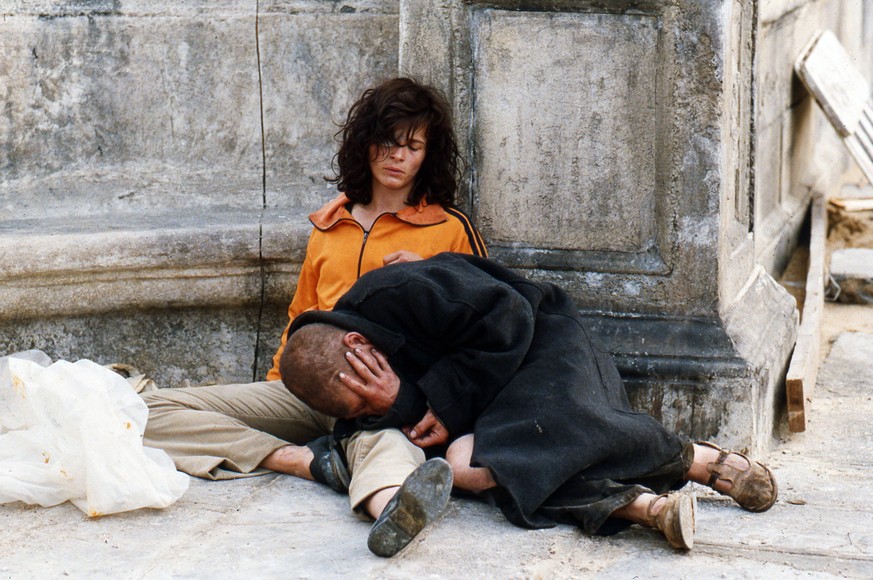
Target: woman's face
(394, 167)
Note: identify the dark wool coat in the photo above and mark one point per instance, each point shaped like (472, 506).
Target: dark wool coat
(509, 359)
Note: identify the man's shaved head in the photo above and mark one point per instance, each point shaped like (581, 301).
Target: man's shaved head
(313, 358)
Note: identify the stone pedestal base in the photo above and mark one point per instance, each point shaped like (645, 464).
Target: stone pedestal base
(717, 379)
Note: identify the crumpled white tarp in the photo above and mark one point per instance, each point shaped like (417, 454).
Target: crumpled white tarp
(73, 431)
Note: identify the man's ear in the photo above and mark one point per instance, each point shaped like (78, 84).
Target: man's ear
(355, 340)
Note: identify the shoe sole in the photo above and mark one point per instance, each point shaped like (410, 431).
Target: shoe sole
(685, 523)
(417, 503)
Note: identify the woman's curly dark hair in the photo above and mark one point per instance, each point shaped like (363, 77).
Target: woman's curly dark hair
(393, 111)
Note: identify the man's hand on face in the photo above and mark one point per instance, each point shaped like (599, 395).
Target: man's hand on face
(373, 380)
(429, 431)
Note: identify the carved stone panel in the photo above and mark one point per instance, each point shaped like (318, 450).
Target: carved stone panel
(572, 100)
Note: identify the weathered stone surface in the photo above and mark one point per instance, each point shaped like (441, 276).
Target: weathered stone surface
(763, 325)
(176, 347)
(852, 270)
(620, 213)
(315, 65)
(796, 150)
(158, 157)
(572, 99)
(625, 179)
(107, 114)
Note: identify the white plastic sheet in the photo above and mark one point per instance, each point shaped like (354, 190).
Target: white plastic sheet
(73, 431)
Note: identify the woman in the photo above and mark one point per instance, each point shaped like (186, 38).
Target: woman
(397, 167)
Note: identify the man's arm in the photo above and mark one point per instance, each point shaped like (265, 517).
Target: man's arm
(483, 336)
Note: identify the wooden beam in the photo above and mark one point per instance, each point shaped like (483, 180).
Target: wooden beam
(803, 369)
(853, 204)
(828, 73)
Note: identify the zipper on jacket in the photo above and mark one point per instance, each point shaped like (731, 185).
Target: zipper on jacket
(367, 235)
(363, 245)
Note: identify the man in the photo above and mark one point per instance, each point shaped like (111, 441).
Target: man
(458, 349)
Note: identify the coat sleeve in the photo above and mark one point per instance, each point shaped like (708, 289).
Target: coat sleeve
(483, 337)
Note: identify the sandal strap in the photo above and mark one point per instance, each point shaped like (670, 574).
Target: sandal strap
(650, 516)
(717, 467)
(716, 473)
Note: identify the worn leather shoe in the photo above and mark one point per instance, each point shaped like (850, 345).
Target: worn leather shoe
(753, 488)
(417, 503)
(327, 466)
(675, 519)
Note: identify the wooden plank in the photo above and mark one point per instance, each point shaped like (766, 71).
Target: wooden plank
(803, 369)
(853, 204)
(857, 150)
(844, 96)
(865, 129)
(842, 93)
(828, 73)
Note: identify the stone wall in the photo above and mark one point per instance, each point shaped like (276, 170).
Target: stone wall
(157, 163)
(653, 157)
(796, 150)
(616, 150)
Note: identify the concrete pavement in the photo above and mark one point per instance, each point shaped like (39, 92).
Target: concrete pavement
(277, 527)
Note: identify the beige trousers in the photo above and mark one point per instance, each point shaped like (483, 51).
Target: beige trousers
(226, 431)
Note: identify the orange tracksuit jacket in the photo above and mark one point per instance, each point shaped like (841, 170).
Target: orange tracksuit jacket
(340, 251)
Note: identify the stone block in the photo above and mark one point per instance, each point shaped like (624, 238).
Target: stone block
(598, 176)
(572, 100)
(123, 106)
(624, 179)
(852, 270)
(175, 347)
(129, 113)
(157, 165)
(763, 325)
(315, 64)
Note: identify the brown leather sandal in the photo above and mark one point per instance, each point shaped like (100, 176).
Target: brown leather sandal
(753, 488)
(675, 519)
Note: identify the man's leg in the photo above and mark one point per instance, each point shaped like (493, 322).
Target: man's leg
(379, 463)
(472, 479)
(392, 482)
(228, 431)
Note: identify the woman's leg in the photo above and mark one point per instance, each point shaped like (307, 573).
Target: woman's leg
(227, 431)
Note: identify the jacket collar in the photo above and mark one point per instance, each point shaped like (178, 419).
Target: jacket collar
(335, 211)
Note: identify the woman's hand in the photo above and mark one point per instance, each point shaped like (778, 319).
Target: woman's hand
(376, 382)
(429, 431)
(401, 256)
